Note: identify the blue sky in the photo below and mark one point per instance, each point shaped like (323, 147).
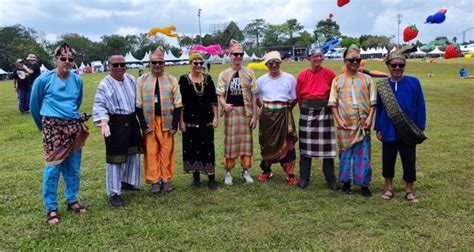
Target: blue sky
(104, 17)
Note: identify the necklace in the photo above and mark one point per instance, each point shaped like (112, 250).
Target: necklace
(196, 89)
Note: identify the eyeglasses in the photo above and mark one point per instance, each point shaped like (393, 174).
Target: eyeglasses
(198, 63)
(118, 64)
(63, 59)
(158, 62)
(354, 60)
(238, 54)
(397, 65)
(274, 62)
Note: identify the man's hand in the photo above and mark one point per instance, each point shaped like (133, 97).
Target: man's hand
(227, 107)
(215, 122)
(173, 132)
(104, 128)
(148, 130)
(182, 127)
(253, 122)
(341, 124)
(368, 123)
(379, 135)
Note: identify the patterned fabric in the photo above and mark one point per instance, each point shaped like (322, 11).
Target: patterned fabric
(128, 172)
(114, 97)
(198, 150)
(314, 84)
(317, 138)
(275, 105)
(249, 87)
(353, 52)
(170, 97)
(61, 137)
(403, 53)
(353, 96)
(237, 134)
(360, 157)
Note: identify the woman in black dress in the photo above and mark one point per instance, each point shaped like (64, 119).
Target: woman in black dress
(198, 121)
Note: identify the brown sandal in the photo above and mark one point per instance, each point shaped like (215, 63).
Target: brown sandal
(76, 207)
(50, 217)
(410, 197)
(387, 195)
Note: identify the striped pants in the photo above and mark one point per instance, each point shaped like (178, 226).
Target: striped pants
(128, 172)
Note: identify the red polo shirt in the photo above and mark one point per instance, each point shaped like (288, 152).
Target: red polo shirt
(314, 84)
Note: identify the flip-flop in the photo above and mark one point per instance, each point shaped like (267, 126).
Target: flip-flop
(412, 199)
(49, 217)
(387, 195)
(78, 209)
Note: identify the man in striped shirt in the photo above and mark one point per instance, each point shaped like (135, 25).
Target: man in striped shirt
(114, 113)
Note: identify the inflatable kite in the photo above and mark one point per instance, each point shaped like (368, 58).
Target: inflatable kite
(331, 44)
(258, 66)
(410, 33)
(371, 73)
(452, 51)
(437, 18)
(341, 3)
(331, 15)
(168, 31)
(211, 50)
(443, 10)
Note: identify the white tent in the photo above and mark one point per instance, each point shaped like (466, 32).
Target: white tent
(2, 71)
(246, 57)
(82, 65)
(467, 48)
(146, 57)
(130, 59)
(254, 57)
(362, 51)
(43, 68)
(436, 51)
(384, 50)
(170, 57)
(184, 56)
(97, 66)
(215, 59)
(419, 52)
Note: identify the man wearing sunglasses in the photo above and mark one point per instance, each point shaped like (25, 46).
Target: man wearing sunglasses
(158, 106)
(409, 95)
(236, 91)
(316, 125)
(277, 132)
(353, 98)
(55, 101)
(114, 114)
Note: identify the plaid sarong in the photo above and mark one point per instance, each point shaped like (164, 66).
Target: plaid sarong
(237, 134)
(317, 135)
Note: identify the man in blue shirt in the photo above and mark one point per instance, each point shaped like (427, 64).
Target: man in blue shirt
(408, 92)
(55, 101)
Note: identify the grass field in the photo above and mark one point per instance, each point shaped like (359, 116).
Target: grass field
(256, 216)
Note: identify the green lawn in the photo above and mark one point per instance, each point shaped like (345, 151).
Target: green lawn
(256, 216)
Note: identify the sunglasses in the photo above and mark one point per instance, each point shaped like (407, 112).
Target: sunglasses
(158, 62)
(397, 65)
(238, 54)
(118, 64)
(63, 59)
(274, 62)
(198, 63)
(354, 60)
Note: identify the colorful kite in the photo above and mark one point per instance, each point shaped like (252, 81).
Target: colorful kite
(211, 50)
(437, 18)
(452, 51)
(168, 31)
(331, 15)
(258, 66)
(341, 3)
(331, 44)
(410, 33)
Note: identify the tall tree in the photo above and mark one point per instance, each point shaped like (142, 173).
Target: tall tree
(253, 31)
(293, 26)
(16, 42)
(305, 38)
(369, 41)
(327, 28)
(86, 49)
(347, 41)
(231, 32)
(274, 35)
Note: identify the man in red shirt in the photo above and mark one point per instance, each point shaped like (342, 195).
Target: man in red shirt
(316, 125)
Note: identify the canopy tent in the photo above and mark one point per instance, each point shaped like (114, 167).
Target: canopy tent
(82, 65)
(169, 57)
(436, 51)
(418, 53)
(146, 57)
(97, 66)
(129, 59)
(184, 56)
(246, 57)
(255, 58)
(2, 72)
(43, 68)
(215, 59)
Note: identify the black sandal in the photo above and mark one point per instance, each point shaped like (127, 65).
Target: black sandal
(79, 209)
(50, 217)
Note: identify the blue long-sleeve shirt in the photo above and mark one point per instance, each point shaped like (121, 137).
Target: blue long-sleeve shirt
(410, 97)
(53, 97)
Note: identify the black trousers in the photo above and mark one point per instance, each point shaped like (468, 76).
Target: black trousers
(328, 168)
(407, 155)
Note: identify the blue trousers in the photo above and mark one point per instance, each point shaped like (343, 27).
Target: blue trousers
(360, 156)
(23, 100)
(70, 169)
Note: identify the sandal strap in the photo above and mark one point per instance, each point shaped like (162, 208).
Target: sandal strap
(76, 209)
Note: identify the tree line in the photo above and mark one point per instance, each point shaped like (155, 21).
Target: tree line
(18, 41)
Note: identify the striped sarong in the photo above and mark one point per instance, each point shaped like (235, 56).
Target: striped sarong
(317, 134)
(237, 134)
